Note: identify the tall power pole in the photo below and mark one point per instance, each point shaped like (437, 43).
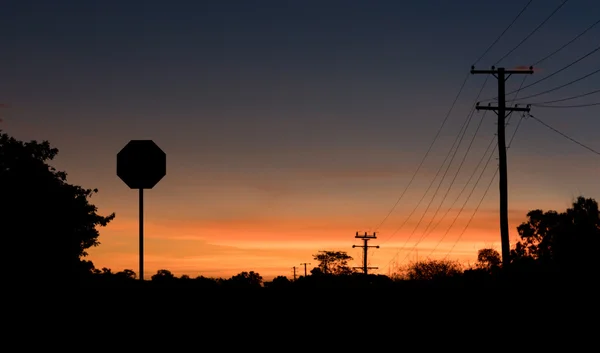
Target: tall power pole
(305, 263)
(501, 111)
(365, 238)
(294, 272)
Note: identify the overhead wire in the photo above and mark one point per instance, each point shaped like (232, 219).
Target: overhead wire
(463, 128)
(468, 181)
(566, 99)
(474, 212)
(458, 139)
(495, 174)
(561, 86)
(552, 74)
(564, 135)
(565, 106)
(559, 71)
(485, 52)
(532, 32)
(566, 44)
(425, 156)
(482, 197)
(503, 32)
(424, 235)
(447, 116)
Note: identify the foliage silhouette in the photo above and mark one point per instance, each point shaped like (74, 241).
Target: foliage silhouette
(565, 241)
(332, 263)
(488, 259)
(48, 218)
(430, 270)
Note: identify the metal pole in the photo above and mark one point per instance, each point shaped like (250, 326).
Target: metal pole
(141, 234)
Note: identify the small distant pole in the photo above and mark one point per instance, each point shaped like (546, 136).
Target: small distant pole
(365, 238)
(294, 272)
(305, 263)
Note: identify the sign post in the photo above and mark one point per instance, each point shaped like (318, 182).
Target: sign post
(141, 164)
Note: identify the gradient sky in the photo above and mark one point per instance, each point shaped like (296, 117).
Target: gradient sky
(290, 125)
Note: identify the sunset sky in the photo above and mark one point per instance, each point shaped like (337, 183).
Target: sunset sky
(290, 125)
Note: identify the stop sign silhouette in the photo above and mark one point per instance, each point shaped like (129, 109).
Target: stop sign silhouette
(141, 164)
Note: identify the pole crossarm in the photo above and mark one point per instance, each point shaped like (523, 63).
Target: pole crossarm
(513, 109)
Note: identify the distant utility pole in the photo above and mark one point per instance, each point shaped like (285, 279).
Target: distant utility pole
(365, 238)
(305, 263)
(294, 272)
(501, 110)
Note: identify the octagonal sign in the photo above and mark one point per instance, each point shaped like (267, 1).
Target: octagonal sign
(141, 164)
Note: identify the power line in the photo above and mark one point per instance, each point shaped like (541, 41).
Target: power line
(564, 135)
(447, 116)
(561, 86)
(566, 44)
(503, 32)
(437, 135)
(443, 177)
(552, 74)
(516, 129)
(562, 69)
(424, 235)
(484, 195)
(473, 215)
(566, 99)
(473, 174)
(565, 106)
(466, 184)
(430, 184)
(462, 208)
(532, 32)
(460, 133)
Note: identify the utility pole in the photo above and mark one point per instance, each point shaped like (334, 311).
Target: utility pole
(305, 263)
(365, 238)
(501, 110)
(294, 272)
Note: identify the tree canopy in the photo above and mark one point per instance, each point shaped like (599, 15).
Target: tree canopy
(561, 240)
(333, 263)
(50, 220)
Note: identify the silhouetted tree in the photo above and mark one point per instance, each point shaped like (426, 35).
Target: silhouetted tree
(163, 276)
(126, 274)
(570, 239)
(333, 263)
(428, 270)
(280, 281)
(488, 259)
(204, 282)
(51, 221)
(245, 279)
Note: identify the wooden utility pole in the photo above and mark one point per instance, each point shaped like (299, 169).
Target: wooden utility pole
(501, 110)
(305, 263)
(365, 238)
(294, 272)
